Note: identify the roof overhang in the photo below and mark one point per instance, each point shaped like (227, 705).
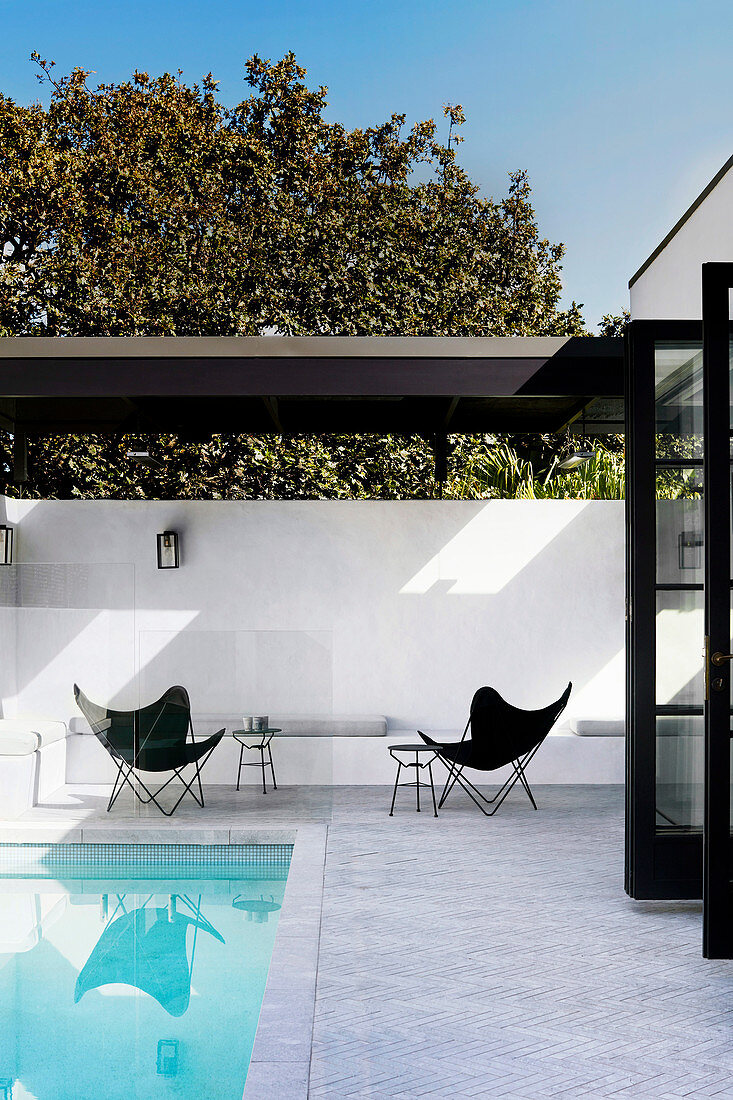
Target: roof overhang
(199, 385)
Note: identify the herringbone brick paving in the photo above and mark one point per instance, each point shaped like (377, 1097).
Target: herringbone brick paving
(466, 957)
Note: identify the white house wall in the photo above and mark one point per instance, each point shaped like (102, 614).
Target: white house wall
(671, 285)
(396, 608)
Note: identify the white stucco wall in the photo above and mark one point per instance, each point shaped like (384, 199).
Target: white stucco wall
(671, 287)
(397, 608)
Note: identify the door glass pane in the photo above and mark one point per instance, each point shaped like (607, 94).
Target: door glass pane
(680, 771)
(680, 525)
(680, 637)
(678, 400)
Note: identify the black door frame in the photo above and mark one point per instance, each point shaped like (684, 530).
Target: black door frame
(717, 280)
(666, 864)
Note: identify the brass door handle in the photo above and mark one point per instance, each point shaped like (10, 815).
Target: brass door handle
(720, 658)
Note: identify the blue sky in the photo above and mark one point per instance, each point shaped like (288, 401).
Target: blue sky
(619, 110)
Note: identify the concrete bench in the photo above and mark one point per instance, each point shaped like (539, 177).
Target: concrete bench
(39, 756)
(32, 762)
(321, 748)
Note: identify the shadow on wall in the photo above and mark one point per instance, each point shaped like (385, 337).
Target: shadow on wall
(403, 608)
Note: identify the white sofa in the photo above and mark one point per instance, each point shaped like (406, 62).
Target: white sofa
(32, 762)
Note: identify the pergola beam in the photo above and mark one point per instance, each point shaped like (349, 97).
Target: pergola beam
(199, 385)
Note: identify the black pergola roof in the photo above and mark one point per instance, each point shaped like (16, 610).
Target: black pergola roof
(198, 385)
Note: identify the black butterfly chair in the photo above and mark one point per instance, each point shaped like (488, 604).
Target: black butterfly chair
(500, 734)
(151, 739)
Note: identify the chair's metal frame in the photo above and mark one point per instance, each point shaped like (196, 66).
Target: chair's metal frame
(124, 777)
(455, 775)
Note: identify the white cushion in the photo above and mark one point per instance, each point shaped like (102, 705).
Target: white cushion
(21, 736)
(292, 725)
(598, 727)
(21, 743)
(331, 725)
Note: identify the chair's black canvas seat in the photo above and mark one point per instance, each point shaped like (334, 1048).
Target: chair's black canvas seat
(501, 734)
(153, 738)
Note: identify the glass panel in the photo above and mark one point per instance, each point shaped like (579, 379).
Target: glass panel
(680, 526)
(61, 624)
(255, 672)
(680, 739)
(680, 636)
(680, 771)
(678, 400)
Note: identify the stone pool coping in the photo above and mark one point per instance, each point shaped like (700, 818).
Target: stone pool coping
(280, 1063)
(281, 1056)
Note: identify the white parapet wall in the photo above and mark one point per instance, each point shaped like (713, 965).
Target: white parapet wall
(348, 607)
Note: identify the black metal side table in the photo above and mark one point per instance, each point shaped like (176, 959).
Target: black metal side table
(257, 741)
(416, 750)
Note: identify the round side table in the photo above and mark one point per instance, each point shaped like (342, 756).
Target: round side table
(416, 750)
(257, 741)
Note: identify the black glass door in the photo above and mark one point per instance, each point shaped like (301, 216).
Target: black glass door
(665, 495)
(679, 585)
(717, 908)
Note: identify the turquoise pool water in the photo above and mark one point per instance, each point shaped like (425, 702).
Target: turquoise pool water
(134, 970)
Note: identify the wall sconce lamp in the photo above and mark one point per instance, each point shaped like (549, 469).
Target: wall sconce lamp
(167, 1061)
(689, 549)
(168, 557)
(6, 554)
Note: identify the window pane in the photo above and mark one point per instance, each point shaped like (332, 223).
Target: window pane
(678, 400)
(680, 770)
(680, 636)
(680, 526)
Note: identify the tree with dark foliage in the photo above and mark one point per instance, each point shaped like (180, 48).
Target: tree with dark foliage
(151, 208)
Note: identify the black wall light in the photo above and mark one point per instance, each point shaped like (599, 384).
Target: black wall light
(168, 556)
(6, 545)
(689, 549)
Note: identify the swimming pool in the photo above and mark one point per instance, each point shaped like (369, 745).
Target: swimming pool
(134, 970)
